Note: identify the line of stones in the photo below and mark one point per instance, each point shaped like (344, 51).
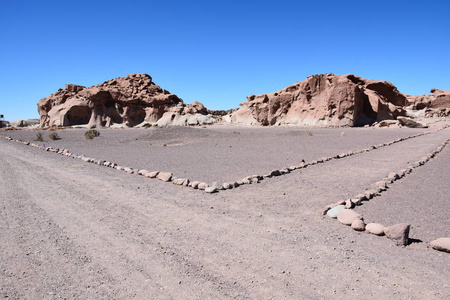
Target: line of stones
(215, 186)
(342, 210)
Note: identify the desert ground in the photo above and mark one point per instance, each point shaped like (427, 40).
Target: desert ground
(76, 230)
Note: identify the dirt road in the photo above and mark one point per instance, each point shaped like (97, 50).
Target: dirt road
(73, 230)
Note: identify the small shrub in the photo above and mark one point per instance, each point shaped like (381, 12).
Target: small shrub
(236, 132)
(308, 133)
(54, 136)
(90, 134)
(39, 137)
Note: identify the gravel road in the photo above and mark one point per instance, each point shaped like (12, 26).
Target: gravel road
(74, 230)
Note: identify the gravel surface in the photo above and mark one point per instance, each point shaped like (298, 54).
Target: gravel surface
(72, 230)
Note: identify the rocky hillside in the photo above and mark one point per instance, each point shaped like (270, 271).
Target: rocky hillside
(325, 99)
(131, 100)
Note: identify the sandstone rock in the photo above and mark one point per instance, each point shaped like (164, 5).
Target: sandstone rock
(129, 100)
(347, 216)
(164, 176)
(358, 225)
(399, 233)
(408, 122)
(211, 189)
(441, 244)
(333, 212)
(393, 175)
(349, 204)
(181, 181)
(194, 184)
(325, 99)
(375, 228)
(152, 174)
(202, 185)
(142, 172)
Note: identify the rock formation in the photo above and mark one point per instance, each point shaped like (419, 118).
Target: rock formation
(437, 104)
(325, 99)
(131, 100)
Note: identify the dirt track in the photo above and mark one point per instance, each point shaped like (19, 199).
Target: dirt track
(75, 230)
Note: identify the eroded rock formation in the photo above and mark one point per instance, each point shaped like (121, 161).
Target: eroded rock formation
(325, 99)
(131, 100)
(436, 104)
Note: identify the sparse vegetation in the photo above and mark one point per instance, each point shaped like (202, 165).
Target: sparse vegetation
(90, 134)
(236, 132)
(54, 136)
(39, 137)
(308, 133)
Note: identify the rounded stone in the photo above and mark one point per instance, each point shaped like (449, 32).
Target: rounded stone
(347, 216)
(375, 228)
(358, 225)
(441, 244)
(333, 212)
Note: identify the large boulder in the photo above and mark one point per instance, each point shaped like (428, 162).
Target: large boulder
(129, 100)
(325, 99)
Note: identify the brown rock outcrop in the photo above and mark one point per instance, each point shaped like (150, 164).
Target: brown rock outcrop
(325, 99)
(436, 104)
(129, 100)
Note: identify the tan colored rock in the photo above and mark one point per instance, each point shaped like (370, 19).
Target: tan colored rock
(164, 176)
(347, 216)
(181, 181)
(325, 99)
(194, 184)
(358, 225)
(399, 233)
(152, 174)
(143, 172)
(129, 100)
(441, 244)
(375, 228)
(202, 185)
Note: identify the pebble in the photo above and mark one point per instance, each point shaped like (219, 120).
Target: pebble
(211, 189)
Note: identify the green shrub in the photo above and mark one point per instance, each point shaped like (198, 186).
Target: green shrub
(90, 134)
(39, 137)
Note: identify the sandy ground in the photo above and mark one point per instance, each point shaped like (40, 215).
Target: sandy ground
(74, 230)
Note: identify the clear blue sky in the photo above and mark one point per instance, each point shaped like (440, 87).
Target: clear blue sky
(217, 52)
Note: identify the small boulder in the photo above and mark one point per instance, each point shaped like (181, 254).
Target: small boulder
(358, 225)
(164, 176)
(375, 228)
(399, 233)
(181, 181)
(211, 189)
(441, 244)
(194, 184)
(143, 172)
(202, 185)
(152, 174)
(333, 212)
(347, 216)
(275, 173)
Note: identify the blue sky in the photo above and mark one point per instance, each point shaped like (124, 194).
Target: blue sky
(217, 52)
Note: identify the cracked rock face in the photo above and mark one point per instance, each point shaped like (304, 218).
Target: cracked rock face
(129, 100)
(325, 99)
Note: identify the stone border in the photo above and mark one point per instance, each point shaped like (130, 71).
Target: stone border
(342, 210)
(215, 186)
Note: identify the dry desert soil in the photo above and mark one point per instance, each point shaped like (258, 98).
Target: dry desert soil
(76, 230)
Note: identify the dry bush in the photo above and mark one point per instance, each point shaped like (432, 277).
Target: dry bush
(90, 134)
(39, 137)
(308, 133)
(54, 136)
